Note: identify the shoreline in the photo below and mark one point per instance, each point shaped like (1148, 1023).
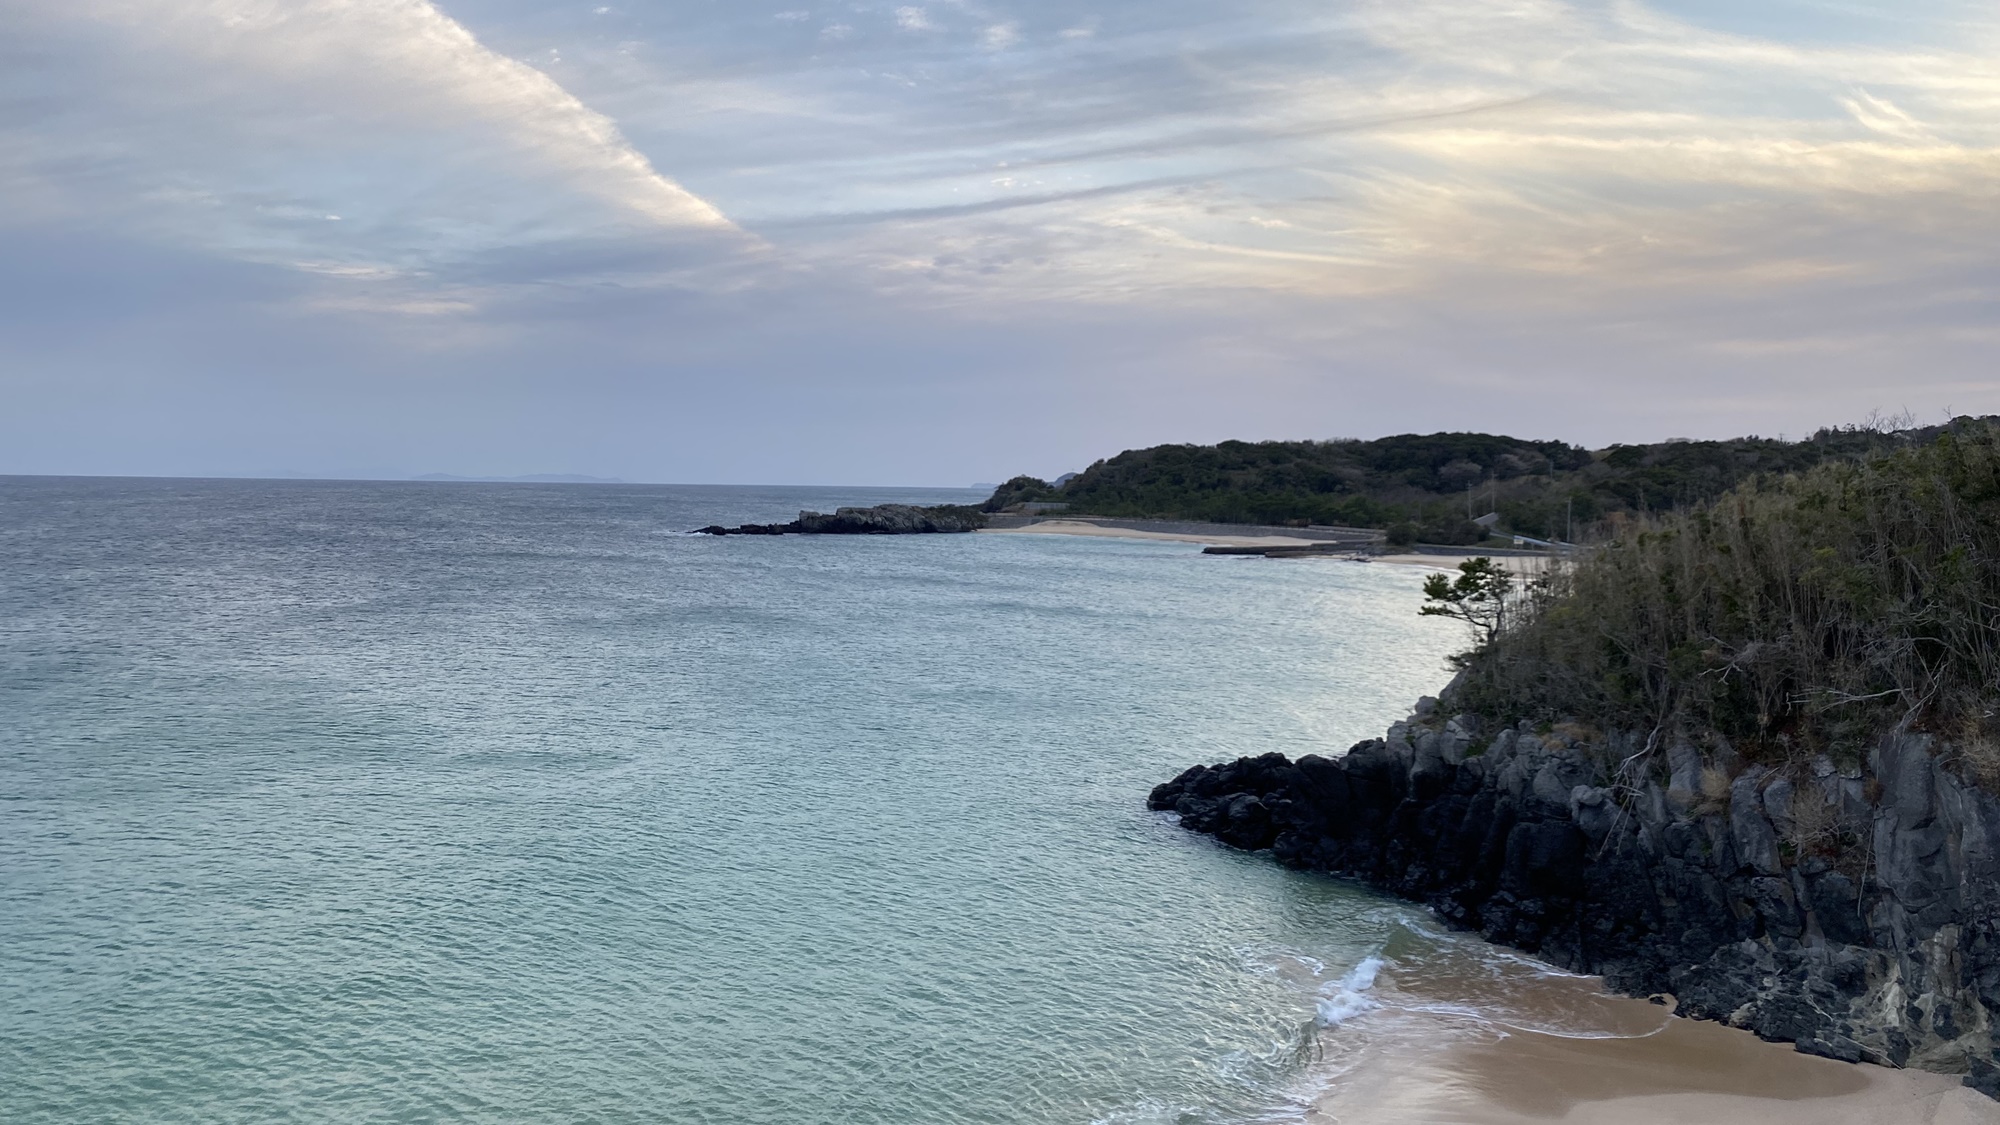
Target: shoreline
(1519, 564)
(1423, 1055)
(1447, 1039)
(1691, 1072)
(1635, 896)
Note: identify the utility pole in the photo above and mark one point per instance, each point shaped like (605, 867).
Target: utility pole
(1569, 520)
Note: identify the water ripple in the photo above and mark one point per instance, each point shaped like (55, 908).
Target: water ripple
(413, 803)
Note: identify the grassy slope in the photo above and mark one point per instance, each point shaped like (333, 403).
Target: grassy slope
(1793, 616)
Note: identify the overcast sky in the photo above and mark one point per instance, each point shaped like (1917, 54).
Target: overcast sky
(934, 243)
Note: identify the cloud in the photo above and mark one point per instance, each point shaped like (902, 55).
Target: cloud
(240, 117)
(1176, 220)
(1389, 148)
(1000, 36)
(1363, 149)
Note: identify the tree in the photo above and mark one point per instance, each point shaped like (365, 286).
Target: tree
(1018, 490)
(1478, 596)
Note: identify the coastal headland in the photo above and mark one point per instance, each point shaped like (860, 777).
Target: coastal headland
(1485, 491)
(1355, 544)
(1744, 756)
(882, 519)
(1739, 755)
(1517, 834)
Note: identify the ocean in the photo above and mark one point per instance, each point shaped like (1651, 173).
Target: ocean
(415, 802)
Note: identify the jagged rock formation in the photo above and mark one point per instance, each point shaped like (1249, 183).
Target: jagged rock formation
(1855, 913)
(883, 519)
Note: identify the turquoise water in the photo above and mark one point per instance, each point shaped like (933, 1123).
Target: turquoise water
(448, 802)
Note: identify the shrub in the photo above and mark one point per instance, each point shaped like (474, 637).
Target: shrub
(1802, 613)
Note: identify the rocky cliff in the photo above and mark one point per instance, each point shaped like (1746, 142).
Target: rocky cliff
(1853, 912)
(883, 519)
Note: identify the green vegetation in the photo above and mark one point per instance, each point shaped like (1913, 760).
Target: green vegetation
(1478, 597)
(1020, 490)
(1428, 486)
(1792, 616)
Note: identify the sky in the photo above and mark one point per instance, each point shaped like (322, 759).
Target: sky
(947, 242)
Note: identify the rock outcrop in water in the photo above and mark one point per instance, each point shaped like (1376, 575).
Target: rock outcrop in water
(883, 519)
(1855, 913)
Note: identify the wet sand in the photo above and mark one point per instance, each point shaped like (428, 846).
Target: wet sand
(1546, 1047)
(1691, 1073)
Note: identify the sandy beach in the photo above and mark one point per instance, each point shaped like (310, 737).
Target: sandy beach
(1520, 564)
(1689, 1073)
(1080, 527)
(1472, 1039)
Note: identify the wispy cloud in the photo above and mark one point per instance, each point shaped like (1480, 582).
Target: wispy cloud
(1375, 213)
(255, 122)
(1388, 148)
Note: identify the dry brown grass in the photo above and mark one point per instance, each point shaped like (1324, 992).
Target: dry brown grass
(1714, 791)
(1974, 751)
(1815, 828)
(1795, 616)
(1581, 733)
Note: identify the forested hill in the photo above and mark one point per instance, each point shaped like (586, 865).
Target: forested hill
(1427, 486)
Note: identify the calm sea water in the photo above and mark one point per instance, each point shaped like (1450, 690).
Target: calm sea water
(456, 802)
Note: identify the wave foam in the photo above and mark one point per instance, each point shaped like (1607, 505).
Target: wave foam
(1348, 997)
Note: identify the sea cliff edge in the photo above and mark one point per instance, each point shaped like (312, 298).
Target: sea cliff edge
(1889, 954)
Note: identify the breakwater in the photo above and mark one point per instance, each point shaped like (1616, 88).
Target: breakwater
(1849, 911)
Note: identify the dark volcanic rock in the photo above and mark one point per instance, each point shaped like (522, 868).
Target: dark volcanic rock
(891, 519)
(1532, 843)
(883, 519)
(748, 529)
